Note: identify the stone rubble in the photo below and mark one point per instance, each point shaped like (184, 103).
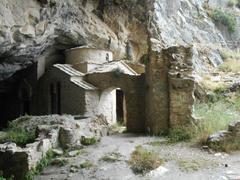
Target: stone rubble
(53, 132)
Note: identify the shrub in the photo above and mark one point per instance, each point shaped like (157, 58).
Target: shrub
(225, 18)
(143, 161)
(232, 3)
(229, 54)
(18, 135)
(180, 133)
(88, 141)
(111, 157)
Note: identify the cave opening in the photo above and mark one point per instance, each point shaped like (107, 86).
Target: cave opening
(16, 94)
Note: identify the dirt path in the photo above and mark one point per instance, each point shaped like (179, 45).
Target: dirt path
(182, 162)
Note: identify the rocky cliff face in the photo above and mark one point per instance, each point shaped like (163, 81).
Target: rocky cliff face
(32, 30)
(41, 30)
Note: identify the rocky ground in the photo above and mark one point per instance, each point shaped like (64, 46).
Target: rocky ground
(181, 161)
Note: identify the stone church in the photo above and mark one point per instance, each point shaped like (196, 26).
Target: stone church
(92, 83)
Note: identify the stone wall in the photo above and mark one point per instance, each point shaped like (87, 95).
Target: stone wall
(18, 161)
(157, 95)
(181, 86)
(72, 96)
(169, 100)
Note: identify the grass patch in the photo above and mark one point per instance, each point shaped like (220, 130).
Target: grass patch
(86, 165)
(209, 84)
(143, 161)
(18, 135)
(229, 54)
(188, 166)
(215, 117)
(180, 133)
(2, 178)
(111, 157)
(86, 141)
(231, 65)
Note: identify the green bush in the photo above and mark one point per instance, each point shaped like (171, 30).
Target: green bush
(232, 3)
(88, 141)
(143, 161)
(225, 18)
(180, 133)
(18, 135)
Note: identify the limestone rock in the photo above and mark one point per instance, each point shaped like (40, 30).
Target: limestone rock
(44, 145)
(27, 30)
(121, 26)
(68, 138)
(73, 153)
(41, 27)
(219, 137)
(234, 128)
(57, 152)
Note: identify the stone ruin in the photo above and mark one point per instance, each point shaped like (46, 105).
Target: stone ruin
(52, 132)
(153, 102)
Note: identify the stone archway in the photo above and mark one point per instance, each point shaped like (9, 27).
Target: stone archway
(134, 90)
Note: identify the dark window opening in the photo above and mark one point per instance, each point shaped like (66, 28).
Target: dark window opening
(121, 107)
(55, 94)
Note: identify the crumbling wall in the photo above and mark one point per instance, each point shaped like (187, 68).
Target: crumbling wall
(18, 161)
(52, 132)
(169, 100)
(181, 86)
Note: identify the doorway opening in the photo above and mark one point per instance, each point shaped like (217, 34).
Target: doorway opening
(121, 112)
